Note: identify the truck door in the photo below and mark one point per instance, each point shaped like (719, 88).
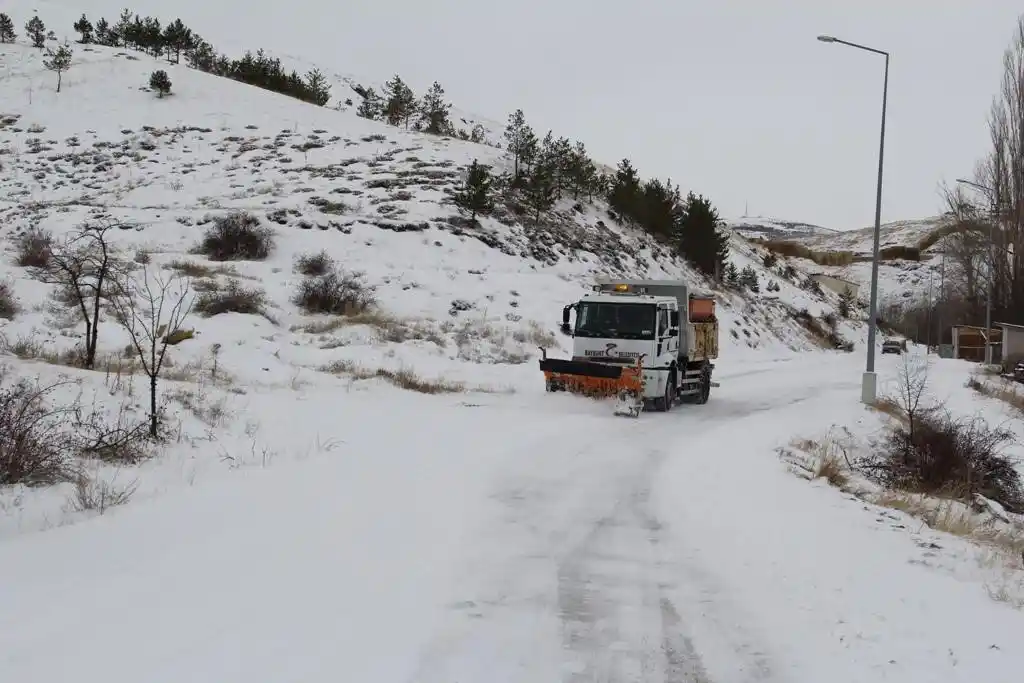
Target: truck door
(666, 343)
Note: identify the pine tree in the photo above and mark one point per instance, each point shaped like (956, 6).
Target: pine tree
(84, 27)
(539, 189)
(318, 87)
(177, 38)
(123, 29)
(399, 102)
(748, 279)
(478, 134)
(36, 31)
(475, 195)
(371, 106)
(699, 240)
(732, 276)
(151, 36)
(624, 191)
(435, 111)
(522, 142)
(846, 302)
(161, 82)
(103, 34)
(58, 61)
(201, 55)
(7, 33)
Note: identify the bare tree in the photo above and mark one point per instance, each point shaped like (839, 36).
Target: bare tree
(153, 311)
(910, 392)
(82, 267)
(1002, 170)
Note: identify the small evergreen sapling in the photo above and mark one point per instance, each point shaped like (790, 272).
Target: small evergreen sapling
(475, 195)
(59, 61)
(318, 87)
(7, 33)
(36, 31)
(161, 82)
(371, 106)
(846, 302)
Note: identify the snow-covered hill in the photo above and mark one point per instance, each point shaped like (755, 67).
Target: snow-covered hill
(773, 228)
(911, 262)
(454, 302)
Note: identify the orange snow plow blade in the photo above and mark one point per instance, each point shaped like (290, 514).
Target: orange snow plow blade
(597, 380)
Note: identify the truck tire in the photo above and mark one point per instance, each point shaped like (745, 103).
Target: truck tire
(665, 402)
(705, 386)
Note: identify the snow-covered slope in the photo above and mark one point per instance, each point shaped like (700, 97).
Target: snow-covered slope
(454, 302)
(902, 281)
(908, 233)
(773, 228)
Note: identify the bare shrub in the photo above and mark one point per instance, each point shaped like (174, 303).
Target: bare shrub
(33, 447)
(314, 265)
(121, 440)
(238, 236)
(94, 495)
(83, 267)
(153, 313)
(33, 249)
(335, 292)
(536, 336)
(932, 452)
(8, 303)
(233, 299)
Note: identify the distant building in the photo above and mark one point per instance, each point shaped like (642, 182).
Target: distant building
(1013, 343)
(969, 343)
(836, 284)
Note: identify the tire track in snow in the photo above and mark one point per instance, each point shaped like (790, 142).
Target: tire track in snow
(577, 556)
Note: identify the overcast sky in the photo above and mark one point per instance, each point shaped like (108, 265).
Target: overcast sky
(731, 98)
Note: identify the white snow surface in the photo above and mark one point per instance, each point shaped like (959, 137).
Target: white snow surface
(509, 538)
(309, 526)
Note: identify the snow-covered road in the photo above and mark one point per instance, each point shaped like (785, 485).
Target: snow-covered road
(529, 538)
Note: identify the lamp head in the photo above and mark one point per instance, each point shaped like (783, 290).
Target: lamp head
(827, 39)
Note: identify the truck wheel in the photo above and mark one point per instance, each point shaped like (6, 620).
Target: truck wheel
(705, 386)
(665, 402)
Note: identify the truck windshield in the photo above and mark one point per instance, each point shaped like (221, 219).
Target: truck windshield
(615, 320)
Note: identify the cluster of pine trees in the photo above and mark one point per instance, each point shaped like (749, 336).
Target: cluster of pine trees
(174, 41)
(398, 105)
(547, 170)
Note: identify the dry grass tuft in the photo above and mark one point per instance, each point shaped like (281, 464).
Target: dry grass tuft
(194, 269)
(1001, 389)
(403, 378)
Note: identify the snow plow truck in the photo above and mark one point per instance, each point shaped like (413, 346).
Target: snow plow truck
(647, 343)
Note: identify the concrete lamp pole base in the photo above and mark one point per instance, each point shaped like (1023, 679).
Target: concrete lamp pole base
(869, 388)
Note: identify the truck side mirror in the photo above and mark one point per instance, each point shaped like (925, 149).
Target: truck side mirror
(566, 329)
(675, 318)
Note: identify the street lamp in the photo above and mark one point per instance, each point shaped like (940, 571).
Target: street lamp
(994, 213)
(869, 383)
